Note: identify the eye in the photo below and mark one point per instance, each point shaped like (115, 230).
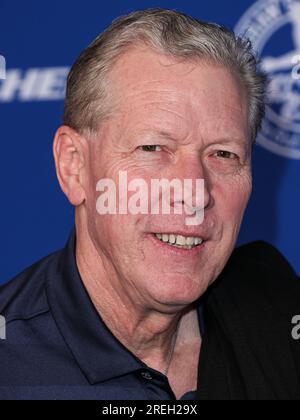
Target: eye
(151, 148)
(226, 155)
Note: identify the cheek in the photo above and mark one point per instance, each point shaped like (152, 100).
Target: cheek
(231, 198)
(116, 238)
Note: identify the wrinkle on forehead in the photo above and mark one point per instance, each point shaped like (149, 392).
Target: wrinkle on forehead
(147, 71)
(157, 86)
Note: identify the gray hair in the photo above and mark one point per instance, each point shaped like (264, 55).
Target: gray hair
(87, 101)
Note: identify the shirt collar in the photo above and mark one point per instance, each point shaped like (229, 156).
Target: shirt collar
(98, 353)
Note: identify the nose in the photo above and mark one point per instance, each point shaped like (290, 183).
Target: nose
(196, 186)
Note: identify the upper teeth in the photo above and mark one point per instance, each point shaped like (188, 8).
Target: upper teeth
(172, 239)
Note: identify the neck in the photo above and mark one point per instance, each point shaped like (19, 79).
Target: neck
(151, 334)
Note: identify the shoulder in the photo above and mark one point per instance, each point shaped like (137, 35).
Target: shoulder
(24, 296)
(264, 254)
(258, 273)
(248, 320)
(32, 348)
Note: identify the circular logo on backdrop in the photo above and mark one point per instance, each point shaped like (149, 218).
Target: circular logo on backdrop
(274, 29)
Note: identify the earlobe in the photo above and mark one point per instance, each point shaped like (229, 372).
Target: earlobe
(69, 159)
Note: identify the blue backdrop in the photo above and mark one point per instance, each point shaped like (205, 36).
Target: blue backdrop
(40, 40)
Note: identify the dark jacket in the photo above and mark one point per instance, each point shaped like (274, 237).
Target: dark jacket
(248, 351)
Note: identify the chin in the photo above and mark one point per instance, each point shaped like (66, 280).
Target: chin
(181, 290)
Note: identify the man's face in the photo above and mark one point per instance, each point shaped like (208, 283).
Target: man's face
(197, 115)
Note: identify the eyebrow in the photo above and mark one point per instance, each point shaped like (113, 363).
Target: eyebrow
(223, 141)
(166, 135)
(162, 134)
(237, 140)
(242, 141)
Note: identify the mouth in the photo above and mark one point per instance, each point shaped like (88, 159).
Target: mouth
(182, 242)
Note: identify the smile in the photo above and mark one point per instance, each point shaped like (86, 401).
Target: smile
(179, 241)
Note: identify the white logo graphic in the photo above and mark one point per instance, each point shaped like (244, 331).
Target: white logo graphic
(296, 329)
(34, 84)
(2, 67)
(2, 328)
(272, 25)
(159, 200)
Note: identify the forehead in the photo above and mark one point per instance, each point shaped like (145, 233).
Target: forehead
(177, 91)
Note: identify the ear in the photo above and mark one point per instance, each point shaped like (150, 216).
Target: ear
(69, 149)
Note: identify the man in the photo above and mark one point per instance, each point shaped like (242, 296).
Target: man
(126, 310)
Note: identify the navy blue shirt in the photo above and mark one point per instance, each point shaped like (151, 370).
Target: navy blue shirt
(58, 347)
